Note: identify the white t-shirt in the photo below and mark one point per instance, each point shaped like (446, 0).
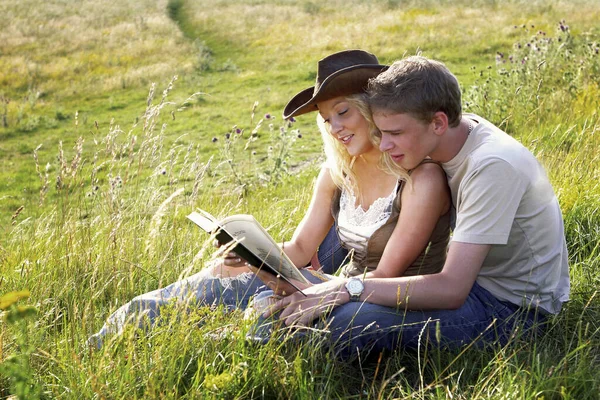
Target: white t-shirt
(503, 197)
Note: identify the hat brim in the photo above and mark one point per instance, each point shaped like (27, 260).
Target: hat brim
(344, 82)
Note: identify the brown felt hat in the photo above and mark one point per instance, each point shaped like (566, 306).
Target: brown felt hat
(339, 74)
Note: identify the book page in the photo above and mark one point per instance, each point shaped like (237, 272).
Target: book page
(253, 238)
(257, 240)
(204, 220)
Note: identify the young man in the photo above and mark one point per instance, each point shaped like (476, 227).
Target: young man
(506, 268)
(509, 235)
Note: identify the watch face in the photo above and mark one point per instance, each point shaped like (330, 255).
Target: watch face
(354, 286)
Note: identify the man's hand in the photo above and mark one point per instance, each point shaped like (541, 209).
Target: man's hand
(320, 299)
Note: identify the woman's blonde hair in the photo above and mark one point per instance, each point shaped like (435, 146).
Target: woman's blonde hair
(340, 162)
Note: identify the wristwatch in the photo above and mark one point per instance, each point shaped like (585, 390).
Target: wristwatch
(355, 288)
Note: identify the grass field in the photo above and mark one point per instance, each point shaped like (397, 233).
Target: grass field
(104, 152)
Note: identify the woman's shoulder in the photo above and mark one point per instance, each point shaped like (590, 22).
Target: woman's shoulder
(324, 180)
(428, 185)
(428, 169)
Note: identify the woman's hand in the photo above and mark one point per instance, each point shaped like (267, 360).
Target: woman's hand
(233, 260)
(320, 299)
(278, 285)
(230, 258)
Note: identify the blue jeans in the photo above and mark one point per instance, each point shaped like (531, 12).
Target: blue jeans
(202, 289)
(361, 327)
(331, 254)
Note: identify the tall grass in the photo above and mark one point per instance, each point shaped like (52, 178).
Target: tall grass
(110, 200)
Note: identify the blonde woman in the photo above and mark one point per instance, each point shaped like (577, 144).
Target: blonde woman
(394, 222)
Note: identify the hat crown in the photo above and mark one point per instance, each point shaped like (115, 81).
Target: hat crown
(341, 60)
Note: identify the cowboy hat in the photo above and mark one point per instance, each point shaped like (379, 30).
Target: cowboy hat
(339, 74)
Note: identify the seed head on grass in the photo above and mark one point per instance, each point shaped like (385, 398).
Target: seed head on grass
(156, 220)
(16, 214)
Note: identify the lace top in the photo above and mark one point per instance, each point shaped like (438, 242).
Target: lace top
(355, 225)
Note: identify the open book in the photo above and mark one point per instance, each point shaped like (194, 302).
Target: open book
(252, 242)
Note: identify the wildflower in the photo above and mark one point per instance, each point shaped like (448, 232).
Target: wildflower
(292, 119)
(96, 188)
(227, 136)
(117, 182)
(267, 116)
(238, 131)
(164, 171)
(254, 152)
(300, 135)
(214, 140)
(563, 26)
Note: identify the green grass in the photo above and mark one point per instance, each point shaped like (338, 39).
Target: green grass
(114, 226)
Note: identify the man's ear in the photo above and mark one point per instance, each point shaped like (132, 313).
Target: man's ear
(440, 123)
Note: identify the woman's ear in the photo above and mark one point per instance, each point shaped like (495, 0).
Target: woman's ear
(440, 123)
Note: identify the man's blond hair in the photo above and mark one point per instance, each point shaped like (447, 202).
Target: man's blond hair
(419, 87)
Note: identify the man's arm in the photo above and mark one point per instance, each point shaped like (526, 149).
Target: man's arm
(445, 290)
